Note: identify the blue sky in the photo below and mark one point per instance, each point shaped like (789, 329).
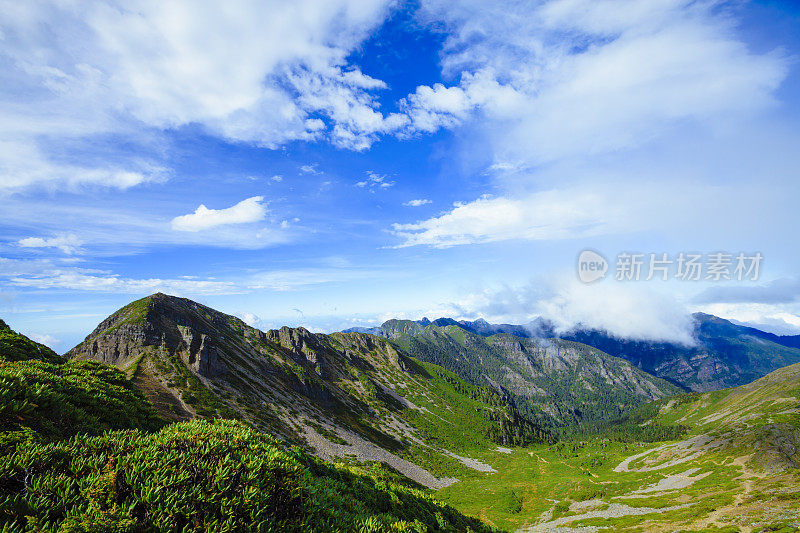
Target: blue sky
(336, 164)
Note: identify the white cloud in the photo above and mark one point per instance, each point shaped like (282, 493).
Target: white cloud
(375, 182)
(250, 319)
(277, 178)
(246, 211)
(781, 319)
(115, 227)
(47, 340)
(48, 275)
(625, 310)
(310, 169)
(67, 243)
(572, 77)
(547, 81)
(545, 215)
(417, 202)
(44, 274)
(288, 280)
(251, 72)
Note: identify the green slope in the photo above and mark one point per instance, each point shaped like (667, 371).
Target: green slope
(566, 382)
(42, 401)
(16, 347)
(43, 397)
(205, 477)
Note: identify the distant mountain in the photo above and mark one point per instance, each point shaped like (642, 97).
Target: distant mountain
(537, 328)
(557, 380)
(725, 354)
(346, 394)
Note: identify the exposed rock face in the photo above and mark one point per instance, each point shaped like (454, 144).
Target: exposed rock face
(173, 325)
(191, 360)
(569, 381)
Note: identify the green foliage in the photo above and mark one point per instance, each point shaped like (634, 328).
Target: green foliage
(202, 476)
(42, 401)
(133, 313)
(16, 347)
(637, 425)
(561, 508)
(575, 394)
(491, 414)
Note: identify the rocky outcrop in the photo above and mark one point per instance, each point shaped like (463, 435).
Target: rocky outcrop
(157, 323)
(570, 381)
(199, 353)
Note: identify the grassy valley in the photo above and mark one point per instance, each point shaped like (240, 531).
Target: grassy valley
(734, 468)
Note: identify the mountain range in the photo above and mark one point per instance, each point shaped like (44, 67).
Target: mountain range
(724, 354)
(341, 395)
(514, 425)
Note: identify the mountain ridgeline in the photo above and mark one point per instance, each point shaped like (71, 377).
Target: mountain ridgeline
(16, 347)
(556, 381)
(345, 394)
(723, 355)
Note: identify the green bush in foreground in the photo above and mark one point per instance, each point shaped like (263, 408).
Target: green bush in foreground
(41, 401)
(202, 476)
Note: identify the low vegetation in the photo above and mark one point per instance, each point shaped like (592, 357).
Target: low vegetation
(42, 401)
(201, 476)
(16, 347)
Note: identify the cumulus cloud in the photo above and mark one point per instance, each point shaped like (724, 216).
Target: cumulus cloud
(67, 243)
(246, 211)
(118, 227)
(251, 72)
(560, 78)
(545, 215)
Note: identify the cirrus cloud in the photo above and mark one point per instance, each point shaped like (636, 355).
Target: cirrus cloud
(69, 243)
